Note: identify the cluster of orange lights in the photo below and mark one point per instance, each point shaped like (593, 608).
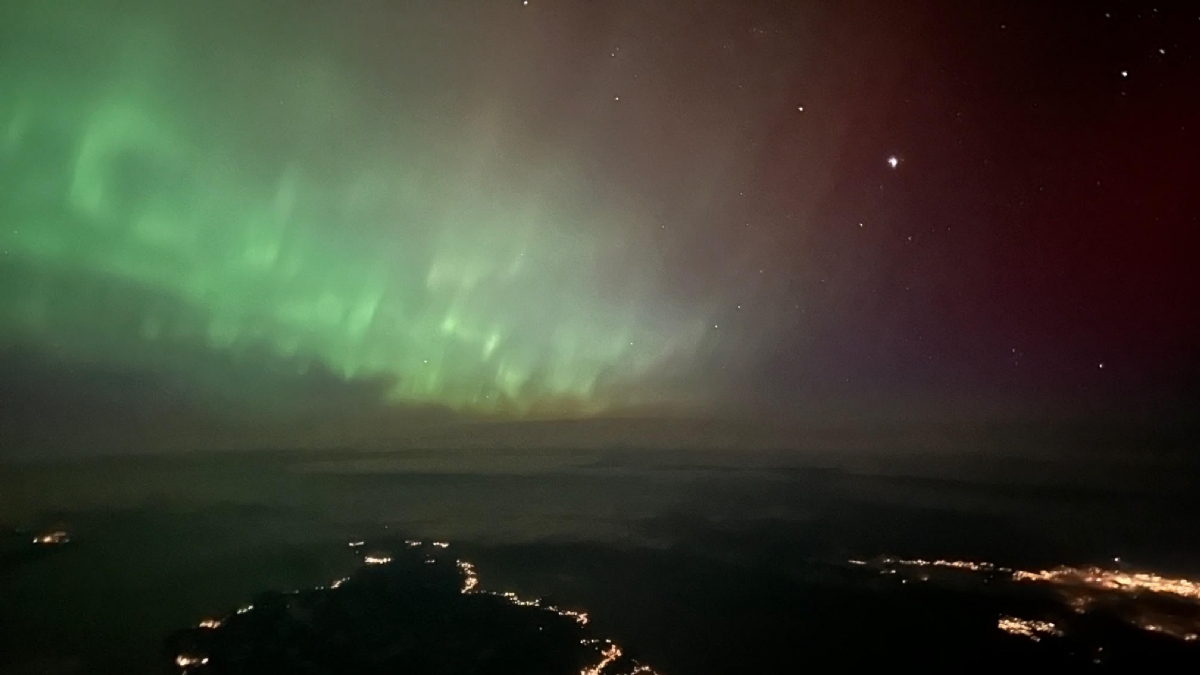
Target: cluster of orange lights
(185, 661)
(1082, 585)
(1113, 580)
(611, 653)
(52, 538)
(1034, 630)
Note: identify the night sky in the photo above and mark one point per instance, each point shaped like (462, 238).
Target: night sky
(223, 217)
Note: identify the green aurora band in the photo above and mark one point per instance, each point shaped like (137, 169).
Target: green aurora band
(161, 199)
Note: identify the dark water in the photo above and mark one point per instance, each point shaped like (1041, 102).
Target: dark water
(695, 563)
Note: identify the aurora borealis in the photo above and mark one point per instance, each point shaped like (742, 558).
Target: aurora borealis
(165, 196)
(556, 208)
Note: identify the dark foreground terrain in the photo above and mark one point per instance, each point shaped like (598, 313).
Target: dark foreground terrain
(416, 611)
(688, 565)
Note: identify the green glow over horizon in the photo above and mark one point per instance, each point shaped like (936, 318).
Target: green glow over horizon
(148, 209)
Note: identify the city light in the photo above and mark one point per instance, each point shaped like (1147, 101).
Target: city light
(1034, 630)
(1112, 580)
(52, 538)
(610, 654)
(1082, 589)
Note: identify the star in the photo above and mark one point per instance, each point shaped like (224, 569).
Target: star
(1124, 73)
(893, 161)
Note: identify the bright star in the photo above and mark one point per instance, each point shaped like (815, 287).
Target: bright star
(893, 161)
